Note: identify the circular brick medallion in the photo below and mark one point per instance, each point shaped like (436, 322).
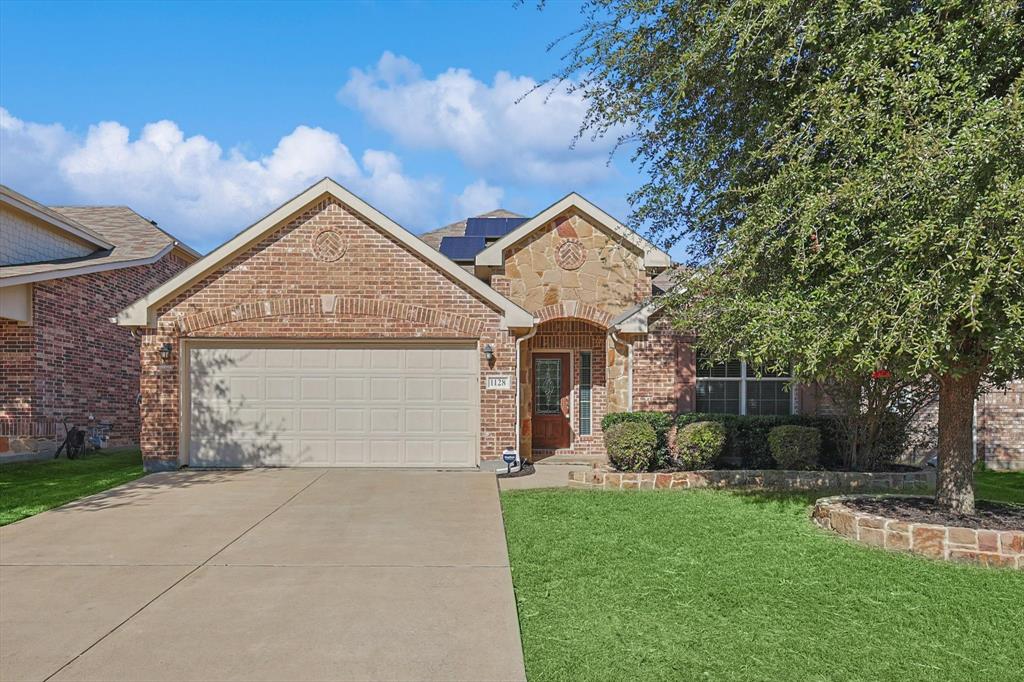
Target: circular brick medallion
(571, 254)
(328, 245)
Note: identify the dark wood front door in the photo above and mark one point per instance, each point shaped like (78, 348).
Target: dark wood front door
(551, 400)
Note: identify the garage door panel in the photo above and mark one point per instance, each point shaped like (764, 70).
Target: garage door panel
(420, 421)
(421, 359)
(350, 452)
(420, 452)
(461, 389)
(343, 406)
(451, 452)
(386, 420)
(281, 358)
(280, 388)
(349, 420)
(314, 452)
(315, 420)
(314, 388)
(385, 388)
(455, 422)
(420, 389)
(385, 452)
(385, 358)
(349, 358)
(350, 388)
(315, 358)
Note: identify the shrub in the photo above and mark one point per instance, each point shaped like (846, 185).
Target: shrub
(795, 447)
(661, 422)
(631, 445)
(747, 435)
(700, 443)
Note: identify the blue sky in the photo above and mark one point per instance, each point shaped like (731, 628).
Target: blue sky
(206, 116)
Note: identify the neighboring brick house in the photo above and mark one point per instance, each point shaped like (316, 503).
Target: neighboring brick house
(999, 427)
(327, 335)
(64, 273)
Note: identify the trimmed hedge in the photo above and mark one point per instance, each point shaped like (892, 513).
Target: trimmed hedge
(795, 447)
(631, 445)
(747, 435)
(661, 422)
(700, 443)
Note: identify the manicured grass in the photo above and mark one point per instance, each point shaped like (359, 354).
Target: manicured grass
(27, 488)
(1001, 486)
(688, 585)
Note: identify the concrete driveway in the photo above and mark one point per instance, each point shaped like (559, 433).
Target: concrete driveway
(287, 574)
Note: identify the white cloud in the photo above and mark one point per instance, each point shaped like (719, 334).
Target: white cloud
(478, 198)
(492, 128)
(190, 184)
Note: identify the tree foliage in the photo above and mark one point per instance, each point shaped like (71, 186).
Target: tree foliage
(849, 172)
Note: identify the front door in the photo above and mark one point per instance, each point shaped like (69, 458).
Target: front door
(550, 400)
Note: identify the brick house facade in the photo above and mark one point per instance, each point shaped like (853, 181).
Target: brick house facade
(346, 341)
(999, 423)
(61, 357)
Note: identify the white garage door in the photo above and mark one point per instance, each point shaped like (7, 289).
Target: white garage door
(343, 406)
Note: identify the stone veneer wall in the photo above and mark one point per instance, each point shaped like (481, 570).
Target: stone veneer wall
(952, 543)
(611, 278)
(604, 478)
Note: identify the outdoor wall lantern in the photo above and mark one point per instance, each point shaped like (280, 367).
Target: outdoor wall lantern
(165, 351)
(489, 353)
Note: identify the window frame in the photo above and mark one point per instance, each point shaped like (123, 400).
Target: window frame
(586, 404)
(743, 378)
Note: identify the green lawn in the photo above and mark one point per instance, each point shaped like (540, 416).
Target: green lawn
(27, 488)
(1006, 487)
(689, 585)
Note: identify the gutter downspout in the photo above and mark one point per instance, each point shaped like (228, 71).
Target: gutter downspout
(629, 368)
(519, 430)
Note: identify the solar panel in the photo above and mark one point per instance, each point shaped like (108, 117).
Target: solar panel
(462, 248)
(492, 227)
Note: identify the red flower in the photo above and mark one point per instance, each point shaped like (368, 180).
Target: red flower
(881, 374)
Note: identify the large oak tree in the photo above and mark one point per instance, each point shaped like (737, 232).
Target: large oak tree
(848, 174)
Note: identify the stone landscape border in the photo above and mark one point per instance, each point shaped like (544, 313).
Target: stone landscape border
(952, 543)
(603, 478)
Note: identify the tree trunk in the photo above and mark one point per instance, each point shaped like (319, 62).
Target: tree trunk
(955, 485)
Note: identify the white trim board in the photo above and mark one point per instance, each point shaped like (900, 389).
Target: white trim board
(142, 312)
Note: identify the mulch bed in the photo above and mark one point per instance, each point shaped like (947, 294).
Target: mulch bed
(990, 515)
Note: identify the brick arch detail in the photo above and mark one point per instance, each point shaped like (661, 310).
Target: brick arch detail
(327, 305)
(577, 310)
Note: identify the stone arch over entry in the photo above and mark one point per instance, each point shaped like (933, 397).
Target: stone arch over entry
(329, 304)
(576, 310)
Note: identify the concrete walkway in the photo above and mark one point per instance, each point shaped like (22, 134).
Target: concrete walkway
(543, 476)
(288, 574)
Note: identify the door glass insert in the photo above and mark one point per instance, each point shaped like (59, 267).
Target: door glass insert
(548, 386)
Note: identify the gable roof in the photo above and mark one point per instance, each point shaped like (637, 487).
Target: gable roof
(122, 238)
(458, 228)
(142, 312)
(494, 255)
(53, 218)
(635, 320)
